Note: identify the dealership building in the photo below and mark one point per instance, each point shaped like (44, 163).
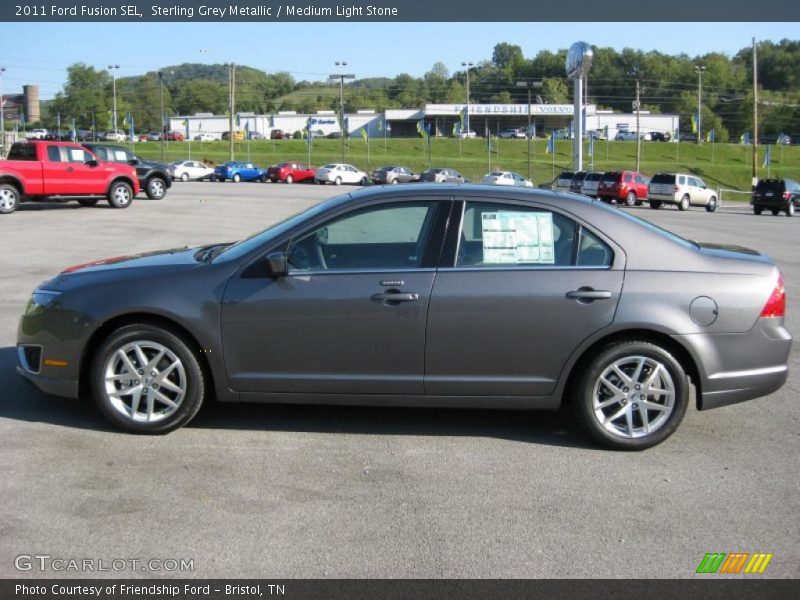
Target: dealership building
(439, 119)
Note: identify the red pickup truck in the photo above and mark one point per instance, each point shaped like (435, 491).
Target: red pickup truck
(39, 170)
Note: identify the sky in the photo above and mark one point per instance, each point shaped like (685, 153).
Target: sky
(308, 50)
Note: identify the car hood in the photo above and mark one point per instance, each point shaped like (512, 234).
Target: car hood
(123, 267)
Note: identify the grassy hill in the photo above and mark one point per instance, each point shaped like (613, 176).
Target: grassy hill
(724, 165)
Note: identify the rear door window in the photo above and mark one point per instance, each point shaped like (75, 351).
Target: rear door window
(53, 154)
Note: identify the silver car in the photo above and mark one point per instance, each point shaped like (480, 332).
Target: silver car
(431, 295)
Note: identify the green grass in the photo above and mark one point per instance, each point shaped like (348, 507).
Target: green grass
(730, 166)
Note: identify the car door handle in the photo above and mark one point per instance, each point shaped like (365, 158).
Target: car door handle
(396, 297)
(70, 169)
(587, 293)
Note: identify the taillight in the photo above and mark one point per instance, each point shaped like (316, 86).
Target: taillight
(787, 195)
(776, 305)
(675, 188)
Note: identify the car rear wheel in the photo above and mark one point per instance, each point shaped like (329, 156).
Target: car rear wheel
(237, 178)
(9, 198)
(394, 181)
(712, 204)
(757, 210)
(684, 203)
(156, 188)
(120, 195)
(630, 199)
(185, 177)
(655, 204)
(88, 201)
(337, 181)
(631, 395)
(790, 209)
(146, 379)
(289, 179)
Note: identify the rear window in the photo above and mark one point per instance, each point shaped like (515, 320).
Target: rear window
(668, 178)
(770, 185)
(593, 177)
(22, 152)
(566, 175)
(610, 177)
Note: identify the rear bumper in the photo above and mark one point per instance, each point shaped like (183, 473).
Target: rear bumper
(738, 367)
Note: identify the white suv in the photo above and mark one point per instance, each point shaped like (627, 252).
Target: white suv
(682, 190)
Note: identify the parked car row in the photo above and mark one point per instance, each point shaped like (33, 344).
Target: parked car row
(633, 189)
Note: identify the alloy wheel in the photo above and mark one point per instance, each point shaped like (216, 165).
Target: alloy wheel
(633, 397)
(145, 381)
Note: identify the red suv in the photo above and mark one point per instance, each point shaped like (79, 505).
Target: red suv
(629, 187)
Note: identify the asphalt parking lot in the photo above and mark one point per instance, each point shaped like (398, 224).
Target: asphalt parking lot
(277, 491)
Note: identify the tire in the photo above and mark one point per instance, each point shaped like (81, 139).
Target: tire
(757, 210)
(184, 385)
(684, 204)
(9, 198)
(639, 202)
(236, 178)
(601, 397)
(394, 181)
(656, 204)
(263, 179)
(289, 179)
(790, 209)
(156, 188)
(185, 177)
(630, 199)
(712, 204)
(120, 195)
(775, 212)
(363, 181)
(88, 201)
(338, 181)
(213, 178)
(273, 180)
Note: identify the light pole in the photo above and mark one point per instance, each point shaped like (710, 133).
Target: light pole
(2, 116)
(467, 64)
(161, 101)
(341, 76)
(113, 69)
(530, 84)
(699, 69)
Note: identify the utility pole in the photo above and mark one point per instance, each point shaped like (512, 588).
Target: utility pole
(755, 115)
(530, 84)
(467, 64)
(699, 69)
(161, 99)
(341, 76)
(637, 106)
(2, 117)
(231, 105)
(113, 69)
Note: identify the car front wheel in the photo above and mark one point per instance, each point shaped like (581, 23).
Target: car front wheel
(338, 181)
(237, 178)
(185, 177)
(632, 395)
(790, 209)
(146, 379)
(630, 199)
(712, 204)
(289, 179)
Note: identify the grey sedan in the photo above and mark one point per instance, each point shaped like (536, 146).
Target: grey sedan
(436, 295)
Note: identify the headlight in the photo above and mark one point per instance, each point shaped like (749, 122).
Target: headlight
(42, 299)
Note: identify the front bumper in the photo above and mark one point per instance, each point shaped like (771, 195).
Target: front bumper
(743, 366)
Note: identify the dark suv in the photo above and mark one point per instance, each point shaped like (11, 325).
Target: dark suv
(154, 178)
(776, 195)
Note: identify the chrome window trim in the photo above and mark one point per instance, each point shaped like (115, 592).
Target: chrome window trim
(359, 271)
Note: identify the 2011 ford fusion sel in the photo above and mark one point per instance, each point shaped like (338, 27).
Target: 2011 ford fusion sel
(433, 295)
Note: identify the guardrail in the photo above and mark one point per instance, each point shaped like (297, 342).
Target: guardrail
(732, 193)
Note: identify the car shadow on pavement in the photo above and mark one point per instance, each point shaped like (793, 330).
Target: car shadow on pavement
(21, 401)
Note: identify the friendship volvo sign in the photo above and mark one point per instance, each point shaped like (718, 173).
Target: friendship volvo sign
(504, 109)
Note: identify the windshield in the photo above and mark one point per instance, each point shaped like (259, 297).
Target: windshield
(247, 245)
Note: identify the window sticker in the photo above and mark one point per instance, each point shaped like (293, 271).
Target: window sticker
(120, 156)
(518, 237)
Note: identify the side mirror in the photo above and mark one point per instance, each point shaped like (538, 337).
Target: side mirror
(134, 161)
(276, 264)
